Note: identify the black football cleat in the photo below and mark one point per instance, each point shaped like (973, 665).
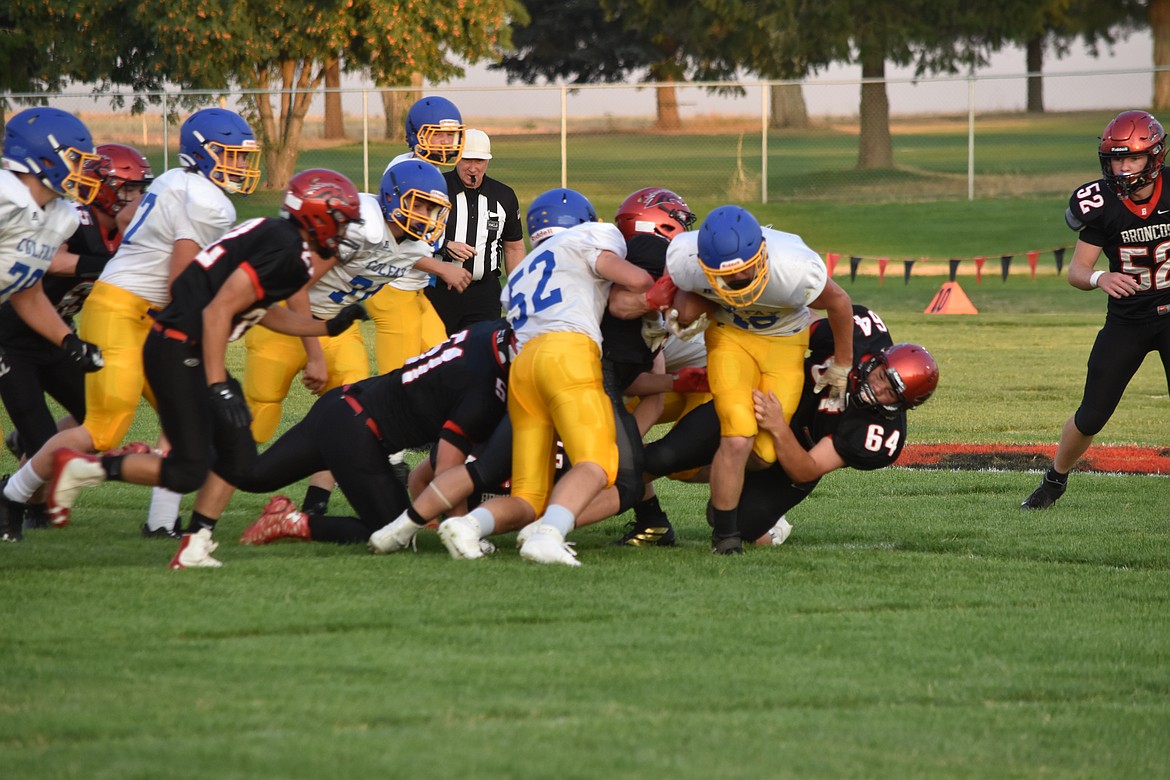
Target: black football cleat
(656, 533)
(726, 545)
(1045, 495)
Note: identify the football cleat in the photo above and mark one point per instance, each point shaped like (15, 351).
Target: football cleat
(525, 532)
(72, 471)
(133, 448)
(279, 519)
(656, 533)
(14, 445)
(11, 517)
(395, 536)
(195, 551)
(547, 545)
(162, 532)
(460, 535)
(726, 545)
(1045, 495)
(36, 516)
(402, 472)
(777, 534)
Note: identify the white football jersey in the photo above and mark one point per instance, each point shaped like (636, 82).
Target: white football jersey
(796, 277)
(684, 354)
(556, 288)
(29, 235)
(361, 268)
(177, 205)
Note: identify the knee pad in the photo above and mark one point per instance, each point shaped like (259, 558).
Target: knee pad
(1090, 421)
(182, 475)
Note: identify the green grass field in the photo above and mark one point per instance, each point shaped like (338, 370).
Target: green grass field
(916, 624)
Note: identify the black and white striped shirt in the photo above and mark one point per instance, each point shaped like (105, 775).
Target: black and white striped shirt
(485, 218)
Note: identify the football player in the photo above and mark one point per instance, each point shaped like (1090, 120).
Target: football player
(230, 286)
(36, 368)
(555, 300)
(395, 235)
(184, 210)
(47, 155)
(866, 430)
(758, 285)
(1125, 215)
(455, 393)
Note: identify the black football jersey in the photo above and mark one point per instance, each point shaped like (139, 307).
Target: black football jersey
(622, 345)
(272, 253)
(457, 390)
(1135, 237)
(66, 293)
(865, 438)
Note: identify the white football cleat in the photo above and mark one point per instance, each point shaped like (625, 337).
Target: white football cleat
(395, 536)
(779, 532)
(72, 471)
(526, 532)
(195, 551)
(546, 545)
(460, 535)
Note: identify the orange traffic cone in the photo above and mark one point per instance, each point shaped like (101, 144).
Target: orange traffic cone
(950, 299)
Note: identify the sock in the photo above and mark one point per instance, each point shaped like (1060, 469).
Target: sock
(649, 512)
(1053, 475)
(724, 521)
(414, 516)
(486, 520)
(112, 465)
(316, 500)
(560, 518)
(164, 509)
(23, 484)
(199, 522)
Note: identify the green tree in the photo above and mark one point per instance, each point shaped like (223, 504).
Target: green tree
(276, 52)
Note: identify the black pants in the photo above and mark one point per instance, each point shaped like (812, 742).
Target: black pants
(692, 443)
(1118, 353)
(200, 442)
(31, 376)
(480, 302)
(335, 437)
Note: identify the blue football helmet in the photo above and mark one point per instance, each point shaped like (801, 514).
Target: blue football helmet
(220, 145)
(56, 147)
(434, 131)
(557, 210)
(730, 243)
(413, 196)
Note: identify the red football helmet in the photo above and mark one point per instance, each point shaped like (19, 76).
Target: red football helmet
(323, 202)
(1130, 134)
(654, 210)
(118, 167)
(912, 372)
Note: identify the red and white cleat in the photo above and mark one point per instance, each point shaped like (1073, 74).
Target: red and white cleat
(72, 471)
(280, 519)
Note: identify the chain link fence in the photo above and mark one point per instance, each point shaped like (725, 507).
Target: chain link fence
(951, 138)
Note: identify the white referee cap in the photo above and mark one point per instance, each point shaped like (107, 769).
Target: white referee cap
(476, 145)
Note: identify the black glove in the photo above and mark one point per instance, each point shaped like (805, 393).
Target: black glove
(227, 399)
(84, 354)
(346, 317)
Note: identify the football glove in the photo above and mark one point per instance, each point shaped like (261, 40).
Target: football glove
(84, 354)
(227, 400)
(833, 376)
(691, 380)
(653, 331)
(688, 332)
(337, 325)
(661, 294)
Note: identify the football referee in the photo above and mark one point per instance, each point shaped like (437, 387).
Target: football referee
(484, 233)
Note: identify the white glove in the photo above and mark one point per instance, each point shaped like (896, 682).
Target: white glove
(833, 376)
(690, 331)
(653, 331)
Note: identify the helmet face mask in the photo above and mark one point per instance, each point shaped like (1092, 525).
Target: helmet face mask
(1132, 134)
(220, 145)
(413, 196)
(655, 211)
(54, 146)
(124, 173)
(556, 210)
(435, 131)
(731, 245)
(909, 370)
(323, 202)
